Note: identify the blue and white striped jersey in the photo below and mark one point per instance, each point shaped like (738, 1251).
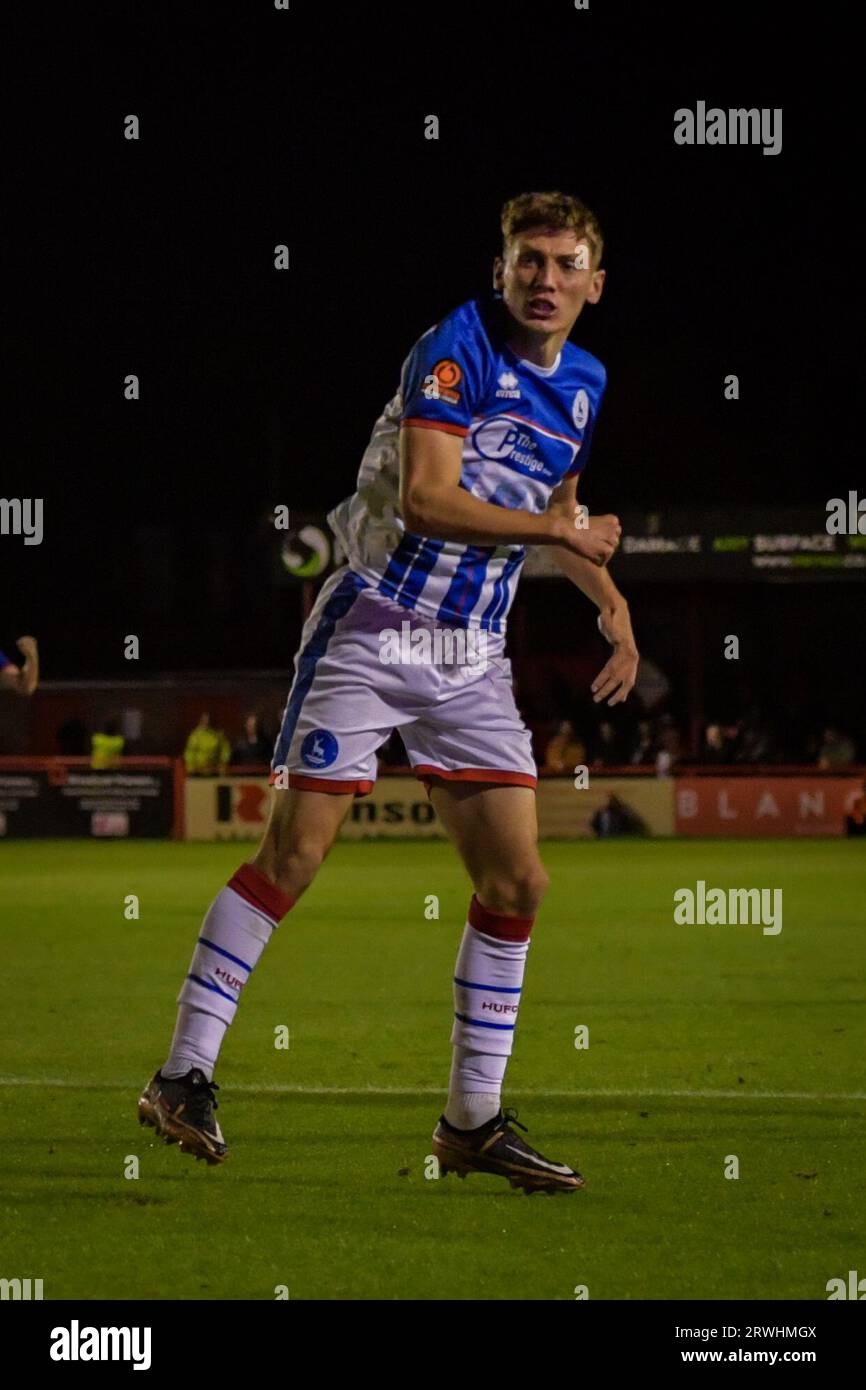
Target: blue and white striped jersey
(524, 429)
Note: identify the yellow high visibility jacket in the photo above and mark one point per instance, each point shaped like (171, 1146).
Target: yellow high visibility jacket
(206, 750)
(105, 749)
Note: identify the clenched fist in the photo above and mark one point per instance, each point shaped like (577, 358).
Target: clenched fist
(595, 539)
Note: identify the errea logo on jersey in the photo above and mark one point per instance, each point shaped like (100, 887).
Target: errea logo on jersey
(508, 387)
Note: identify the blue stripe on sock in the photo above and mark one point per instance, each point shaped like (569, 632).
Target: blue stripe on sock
(205, 984)
(495, 989)
(203, 941)
(482, 1023)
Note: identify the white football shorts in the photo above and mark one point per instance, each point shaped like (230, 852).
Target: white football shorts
(367, 666)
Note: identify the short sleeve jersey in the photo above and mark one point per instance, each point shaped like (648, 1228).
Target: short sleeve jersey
(524, 429)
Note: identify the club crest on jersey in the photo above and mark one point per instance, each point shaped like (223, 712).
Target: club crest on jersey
(448, 375)
(580, 409)
(319, 748)
(508, 387)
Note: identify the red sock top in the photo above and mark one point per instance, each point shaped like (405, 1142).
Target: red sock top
(260, 893)
(498, 924)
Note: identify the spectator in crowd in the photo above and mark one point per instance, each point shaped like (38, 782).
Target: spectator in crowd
(754, 740)
(252, 747)
(837, 750)
(669, 746)
(106, 748)
(643, 745)
(607, 749)
(565, 751)
(615, 818)
(207, 749)
(718, 744)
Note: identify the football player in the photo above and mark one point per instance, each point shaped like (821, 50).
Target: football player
(476, 457)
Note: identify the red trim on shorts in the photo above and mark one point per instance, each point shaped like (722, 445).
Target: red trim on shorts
(444, 425)
(498, 924)
(497, 775)
(250, 883)
(359, 785)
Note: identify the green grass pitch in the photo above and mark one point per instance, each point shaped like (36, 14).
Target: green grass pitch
(704, 1042)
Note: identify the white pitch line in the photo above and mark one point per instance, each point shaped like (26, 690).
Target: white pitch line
(59, 1083)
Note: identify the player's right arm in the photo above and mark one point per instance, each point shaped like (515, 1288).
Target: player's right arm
(433, 504)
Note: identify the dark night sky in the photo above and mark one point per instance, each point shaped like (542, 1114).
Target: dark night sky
(261, 387)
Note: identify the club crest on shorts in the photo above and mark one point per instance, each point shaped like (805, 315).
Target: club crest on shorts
(319, 748)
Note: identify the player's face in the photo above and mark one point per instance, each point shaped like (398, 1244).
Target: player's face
(546, 278)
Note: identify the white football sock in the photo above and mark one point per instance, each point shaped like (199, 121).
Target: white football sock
(237, 928)
(196, 1043)
(475, 1091)
(488, 980)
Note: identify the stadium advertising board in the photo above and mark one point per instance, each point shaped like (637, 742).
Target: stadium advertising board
(48, 799)
(235, 808)
(785, 545)
(765, 806)
(567, 813)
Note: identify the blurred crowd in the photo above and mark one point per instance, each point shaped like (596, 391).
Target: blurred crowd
(750, 726)
(597, 737)
(207, 748)
(660, 741)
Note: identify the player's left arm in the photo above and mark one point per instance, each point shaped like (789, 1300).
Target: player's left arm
(23, 680)
(617, 677)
